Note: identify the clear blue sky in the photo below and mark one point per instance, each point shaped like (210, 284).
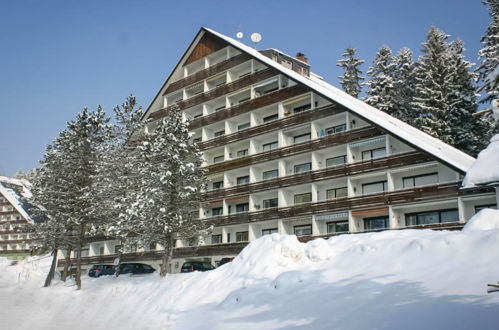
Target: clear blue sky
(57, 57)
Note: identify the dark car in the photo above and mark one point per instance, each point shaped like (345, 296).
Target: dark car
(136, 268)
(225, 260)
(200, 266)
(100, 270)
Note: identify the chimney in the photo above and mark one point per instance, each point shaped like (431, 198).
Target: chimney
(302, 57)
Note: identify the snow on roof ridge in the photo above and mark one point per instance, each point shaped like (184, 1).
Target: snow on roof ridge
(450, 155)
(13, 197)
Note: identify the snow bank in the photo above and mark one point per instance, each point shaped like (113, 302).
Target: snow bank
(485, 170)
(486, 219)
(409, 279)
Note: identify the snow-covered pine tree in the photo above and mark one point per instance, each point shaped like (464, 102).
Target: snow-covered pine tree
(403, 85)
(82, 146)
(445, 96)
(116, 179)
(488, 69)
(380, 93)
(464, 131)
(430, 79)
(352, 77)
(167, 200)
(47, 202)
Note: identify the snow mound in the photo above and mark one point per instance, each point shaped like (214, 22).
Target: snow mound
(486, 219)
(485, 170)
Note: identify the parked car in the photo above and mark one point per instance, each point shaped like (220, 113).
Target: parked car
(100, 270)
(136, 268)
(200, 266)
(223, 261)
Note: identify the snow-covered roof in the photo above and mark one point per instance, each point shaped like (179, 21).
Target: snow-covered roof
(418, 139)
(15, 196)
(485, 170)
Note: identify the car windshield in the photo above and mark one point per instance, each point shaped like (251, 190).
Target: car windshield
(207, 265)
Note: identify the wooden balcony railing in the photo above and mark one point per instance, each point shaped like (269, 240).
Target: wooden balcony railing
(316, 144)
(299, 118)
(410, 158)
(218, 91)
(348, 203)
(2, 252)
(208, 72)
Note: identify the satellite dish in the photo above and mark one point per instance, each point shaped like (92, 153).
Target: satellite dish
(239, 35)
(256, 37)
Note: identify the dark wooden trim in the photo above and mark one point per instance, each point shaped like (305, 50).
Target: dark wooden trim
(14, 251)
(218, 91)
(208, 72)
(315, 144)
(410, 158)
(208, 44)
(289, 121)
(416, 194)
(15, 241)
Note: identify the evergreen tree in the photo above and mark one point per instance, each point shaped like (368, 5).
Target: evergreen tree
(381, 86)
(489, 67)
(165, 203)
(351, 79)
(444, 94)
(403, 86)
(117, 176)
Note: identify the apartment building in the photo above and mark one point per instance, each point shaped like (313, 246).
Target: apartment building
(14, 217)
(288, 153)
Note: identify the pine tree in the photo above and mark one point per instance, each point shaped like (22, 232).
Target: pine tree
(403, 86)
(381, 86)
(488, 69)
(164, 206)
(117, 176)
(445, 98)
(351, 79)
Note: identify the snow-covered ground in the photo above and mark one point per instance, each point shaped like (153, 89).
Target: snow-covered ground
(409, 279)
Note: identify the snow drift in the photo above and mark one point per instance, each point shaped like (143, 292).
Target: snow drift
(485, 170)
(408, 279)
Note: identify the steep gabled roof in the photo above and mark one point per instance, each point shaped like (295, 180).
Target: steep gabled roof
(15, 196)
(449, 155)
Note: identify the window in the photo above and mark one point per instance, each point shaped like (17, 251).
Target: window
(303, 198)
(269, 203)
(374, 153)
(270, 174)
(425, 218)
(198, 115)
(302, 138)
(337, 193)
(219, 133)
(420, 180)
(242, 236)
(301, 168)
(303, 230)
(220, 108)
(374, 187)
(376, 223)
(270, 146)
(302, 108)
(216, 239)
(218, 185)
(243, 179)
(269, 231)
(218, 159)
(337, 227)
(243, 126)
(242, 153)
(335, 161)
(244, 207)
(216, 211)
(478, 208)
(336, 129)
(152, 246)
(270, 118)
(244, 100)
(286, 64)
(196, 140)
(101, 250)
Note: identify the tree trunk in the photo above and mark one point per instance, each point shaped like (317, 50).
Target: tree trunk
(51, 273)
(167, 257)
(78, 256)
(67, 263)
